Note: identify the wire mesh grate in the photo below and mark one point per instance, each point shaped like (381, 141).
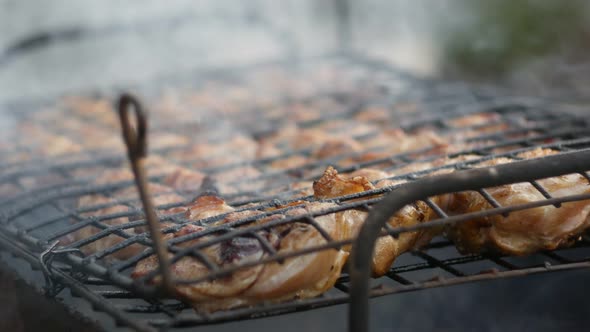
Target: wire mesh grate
(40, 191)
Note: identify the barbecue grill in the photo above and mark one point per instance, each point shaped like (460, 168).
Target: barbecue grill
(40, 206)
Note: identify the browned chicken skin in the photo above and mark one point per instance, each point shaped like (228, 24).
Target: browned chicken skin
(387, 248)
(296, 277)
(526, 231)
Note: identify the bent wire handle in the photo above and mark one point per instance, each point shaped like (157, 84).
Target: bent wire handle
(136, 142)
(474, 179)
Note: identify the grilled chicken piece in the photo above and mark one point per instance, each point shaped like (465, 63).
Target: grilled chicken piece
(293, 137)
(93, 109)
(108, 241)
(297, 277)
(374, 114)
(295, 189)
(397, 141)
(161, 196)
(91, 137)
(219, 292)
(387, 248)
(319, 139)
(337, 147)
(291, 162)
(477, 119)
(45, 143)
(527, 231)
(238, 179)
(330, 185)
(207, 206)
(267, 150)
(307, 275)
(238, 149)
(166, 194)
(185, 180)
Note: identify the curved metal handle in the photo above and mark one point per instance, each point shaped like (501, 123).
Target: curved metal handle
(474, 179)
(135, 139)
(136, 142)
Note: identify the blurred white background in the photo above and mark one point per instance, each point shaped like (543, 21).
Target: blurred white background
(52, 47)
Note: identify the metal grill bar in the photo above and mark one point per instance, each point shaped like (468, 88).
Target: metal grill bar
(475, 179)
(337, 244)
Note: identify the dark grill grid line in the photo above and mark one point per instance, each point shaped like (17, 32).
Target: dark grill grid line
(176, 126)
(439, 212)
(400, 157)
(483, 158)
(490, 199)
(111, 158)
(339, 244)
(71, 213)
(260, 162)
(210, 320)
(435, 262)
(280, 173)
(27, 192)
(450, 102)
(202, 258)
(398, 278)
(549, 125)
(500, 262)
(556, 257)
(129, 225)
(266, 246)
(139, 223)
(63, 194)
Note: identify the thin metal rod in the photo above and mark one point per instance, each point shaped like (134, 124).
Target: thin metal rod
(363, 246)
(99, 302)
(136, 142)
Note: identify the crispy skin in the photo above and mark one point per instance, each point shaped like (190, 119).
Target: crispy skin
(307, 275)
(220, 293)
(331, 184)
(297, 277)
(387, 248)
(207, 206)
(527, 231)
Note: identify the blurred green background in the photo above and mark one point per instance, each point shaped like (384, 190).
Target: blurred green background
(504, 35)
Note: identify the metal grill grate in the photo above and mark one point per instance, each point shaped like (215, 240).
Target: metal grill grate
(43, 190)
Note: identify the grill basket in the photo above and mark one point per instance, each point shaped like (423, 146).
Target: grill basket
(335, 94)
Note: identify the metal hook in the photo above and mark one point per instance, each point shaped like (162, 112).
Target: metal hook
(136, 142)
